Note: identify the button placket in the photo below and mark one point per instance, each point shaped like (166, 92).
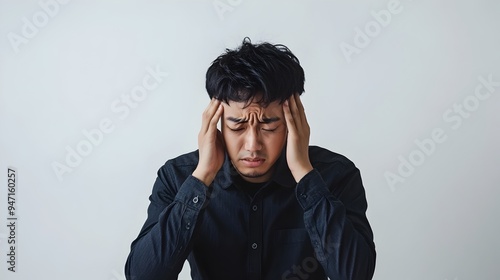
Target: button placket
(255, 234)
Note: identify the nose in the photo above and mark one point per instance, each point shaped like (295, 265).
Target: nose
(252, 140)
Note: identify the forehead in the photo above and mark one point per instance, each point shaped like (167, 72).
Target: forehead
(244, 108)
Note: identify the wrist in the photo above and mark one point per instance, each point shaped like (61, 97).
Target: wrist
(301, 172)
(206, 177)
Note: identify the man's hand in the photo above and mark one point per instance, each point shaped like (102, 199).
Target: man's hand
(297, 151)
(210, 144)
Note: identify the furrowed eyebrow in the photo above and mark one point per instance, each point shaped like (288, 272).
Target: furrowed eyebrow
(236, 120)
(270, 120)
(265, 120)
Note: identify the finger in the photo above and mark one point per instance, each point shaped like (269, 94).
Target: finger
(216, 117)
(300, 106)
(221, 139)
(295, 111)
(290, 123)
(208, 114)
(207, 109)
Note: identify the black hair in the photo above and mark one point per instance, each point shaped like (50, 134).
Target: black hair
(266, 70)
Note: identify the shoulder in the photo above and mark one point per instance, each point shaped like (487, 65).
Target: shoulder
(184, 160)
(322, 156)
(338, 172)
(179, 168)
(171, 176)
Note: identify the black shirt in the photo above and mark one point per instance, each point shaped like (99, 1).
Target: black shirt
(313, 229)
(249, 188)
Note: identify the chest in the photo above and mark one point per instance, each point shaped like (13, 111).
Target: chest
(264, 234)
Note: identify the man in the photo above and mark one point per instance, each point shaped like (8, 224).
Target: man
(255, 201)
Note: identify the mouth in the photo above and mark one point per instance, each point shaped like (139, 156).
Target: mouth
(252, 162)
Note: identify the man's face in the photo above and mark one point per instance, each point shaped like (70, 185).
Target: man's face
(254, 138)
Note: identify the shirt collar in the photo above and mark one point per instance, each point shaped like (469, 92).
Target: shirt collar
(282, 174)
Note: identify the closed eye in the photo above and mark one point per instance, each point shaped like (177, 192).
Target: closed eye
(242, 128)
(269, 129)
(236, 129)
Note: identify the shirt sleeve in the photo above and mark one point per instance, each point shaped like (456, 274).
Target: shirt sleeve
(334, 216)
(164, 241)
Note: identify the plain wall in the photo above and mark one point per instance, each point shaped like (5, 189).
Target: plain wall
(405, 97)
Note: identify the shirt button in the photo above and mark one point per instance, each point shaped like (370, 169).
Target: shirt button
(254, 208)
(254, 246)
(188, 226)
(195, 199)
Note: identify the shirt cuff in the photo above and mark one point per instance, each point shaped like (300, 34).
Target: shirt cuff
(311, 189)
(193, 193)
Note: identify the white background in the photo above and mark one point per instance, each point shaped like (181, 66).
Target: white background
(62, 75)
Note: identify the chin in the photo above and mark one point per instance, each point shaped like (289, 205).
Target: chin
(253, 172)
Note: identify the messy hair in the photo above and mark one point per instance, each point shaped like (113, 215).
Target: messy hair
(265, 71)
